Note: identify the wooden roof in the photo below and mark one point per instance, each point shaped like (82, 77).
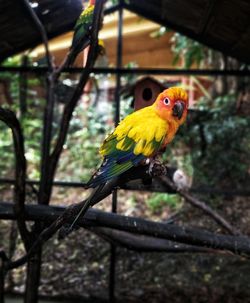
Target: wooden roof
(17, 31)
(223, 25)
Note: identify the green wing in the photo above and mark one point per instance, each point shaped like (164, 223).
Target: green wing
(128, 145)
(82, 27)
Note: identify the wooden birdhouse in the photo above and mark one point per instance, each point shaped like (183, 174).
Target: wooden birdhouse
(145, 92)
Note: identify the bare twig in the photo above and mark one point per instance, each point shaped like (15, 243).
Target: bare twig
(3, 255)
(201, 205)
(238, 245)
(9, 118)
(69, 107)
(79, 89)
(2, 279)
(4, 260)
(34, 265)
(41, 30)
(134, 173)
(191, 236)
(143, 243)
(43, 197)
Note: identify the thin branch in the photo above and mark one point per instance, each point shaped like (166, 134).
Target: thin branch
(43, 196)
(192, 236)
(48, 114)
(79, 89)
(41, 30)
(69, 107)
(2, 279)
(9, 118)
(201, 205)
(143, 243)
(3, 255)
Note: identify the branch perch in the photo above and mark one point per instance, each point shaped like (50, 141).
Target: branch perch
(143, 243)
(201, 205)
(94, 218)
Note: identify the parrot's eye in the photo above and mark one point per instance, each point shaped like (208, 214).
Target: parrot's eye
(166, 101)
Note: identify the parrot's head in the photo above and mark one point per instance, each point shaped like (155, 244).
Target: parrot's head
(172, 105)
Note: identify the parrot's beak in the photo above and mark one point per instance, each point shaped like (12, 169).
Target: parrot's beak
(178, 109)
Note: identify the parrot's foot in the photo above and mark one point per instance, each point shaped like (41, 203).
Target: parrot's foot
(156, 168)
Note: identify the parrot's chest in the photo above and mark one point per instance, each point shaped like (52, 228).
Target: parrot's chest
(171, 131)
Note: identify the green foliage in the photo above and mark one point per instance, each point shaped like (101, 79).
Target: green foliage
(158, 201)
(192, 52)
(80, 156)
(32, 129)
(221, 155)
(6, 148)
(31, 124)
(186, 50)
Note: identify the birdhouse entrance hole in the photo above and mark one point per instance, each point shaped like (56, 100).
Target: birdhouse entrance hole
(147, 94)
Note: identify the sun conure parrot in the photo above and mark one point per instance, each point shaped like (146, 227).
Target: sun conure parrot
(141, 135)
(82, 30)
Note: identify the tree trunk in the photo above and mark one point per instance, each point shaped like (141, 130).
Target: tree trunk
(2, 276)
(33, 278)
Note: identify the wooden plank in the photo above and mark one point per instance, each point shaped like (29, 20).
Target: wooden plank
(226, 25)
(17, 31)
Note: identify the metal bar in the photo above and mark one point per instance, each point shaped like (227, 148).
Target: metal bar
(36, 182)
(138, 186)
(23, 87)
(117, 119)
(134, 71)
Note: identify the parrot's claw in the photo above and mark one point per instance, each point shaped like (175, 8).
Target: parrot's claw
(156, 168)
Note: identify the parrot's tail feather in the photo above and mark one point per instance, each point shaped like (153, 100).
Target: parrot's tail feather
(87, 204)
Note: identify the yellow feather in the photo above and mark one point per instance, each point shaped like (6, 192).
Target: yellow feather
(143, 127)
(148, 150)
(139, 147)
(121, 145)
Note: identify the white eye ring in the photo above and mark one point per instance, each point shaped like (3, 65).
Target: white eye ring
(166, 101)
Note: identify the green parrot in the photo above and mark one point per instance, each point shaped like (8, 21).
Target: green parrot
(82, 29)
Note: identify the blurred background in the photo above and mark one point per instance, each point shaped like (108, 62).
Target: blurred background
(212, 148)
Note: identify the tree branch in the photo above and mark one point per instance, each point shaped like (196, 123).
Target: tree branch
(143, 243)
(94, 218)
(69, 107)
(41, 30)
(190, 236)
(201, 205)
(9, 118)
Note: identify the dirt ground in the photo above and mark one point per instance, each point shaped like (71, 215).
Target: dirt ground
(79, 266)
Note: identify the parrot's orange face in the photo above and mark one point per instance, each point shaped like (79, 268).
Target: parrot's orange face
(172, 105)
